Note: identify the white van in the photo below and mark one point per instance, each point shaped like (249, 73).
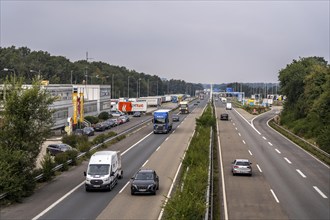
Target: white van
(228, 106)
(104, 170)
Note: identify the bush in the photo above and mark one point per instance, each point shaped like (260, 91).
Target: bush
(104, 116)
(72, 155)
(62, 158)
(83, 146)
(74, 140)
(47, 165)
(92, 119)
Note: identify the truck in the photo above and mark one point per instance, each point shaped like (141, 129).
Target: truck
(162, 121)
(131, 107)
(228, 106)
(184, 107)
(103, 171)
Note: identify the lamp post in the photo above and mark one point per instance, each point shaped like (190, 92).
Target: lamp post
(13, 70)
(138, 88)
(34, 71)
(128, 87)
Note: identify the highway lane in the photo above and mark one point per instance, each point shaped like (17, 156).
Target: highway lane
(165, 160)
(304, 186)
(247, 197)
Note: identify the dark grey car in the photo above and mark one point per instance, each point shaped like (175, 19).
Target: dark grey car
(145, 181)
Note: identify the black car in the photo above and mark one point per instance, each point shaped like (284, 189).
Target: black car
(145, 181)
(137, 114)
(88, 131)
(224, 116)
(54, 149)
(100, 126)
(175, 117)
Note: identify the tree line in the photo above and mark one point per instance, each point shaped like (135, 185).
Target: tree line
(22, 62)
(306, 85)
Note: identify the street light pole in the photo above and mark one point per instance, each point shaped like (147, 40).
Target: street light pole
(13, 70)
(128, 87)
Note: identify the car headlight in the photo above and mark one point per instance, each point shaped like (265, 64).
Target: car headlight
(151, 186)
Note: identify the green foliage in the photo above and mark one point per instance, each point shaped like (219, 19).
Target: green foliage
(74, 140)
(104, 116)
(306, 83)
(84, 146)
(62, 158)
(47, 165)
(92, 119)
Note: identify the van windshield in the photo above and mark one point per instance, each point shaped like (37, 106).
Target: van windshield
(98, 169)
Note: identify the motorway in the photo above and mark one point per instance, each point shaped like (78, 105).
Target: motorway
(65, 197)
(287, 182)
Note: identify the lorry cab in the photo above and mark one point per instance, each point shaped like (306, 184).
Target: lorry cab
(162, 121)
(228, 106)
(103, 171)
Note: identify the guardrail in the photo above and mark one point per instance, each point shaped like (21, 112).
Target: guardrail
(311, 145)
(58, 167)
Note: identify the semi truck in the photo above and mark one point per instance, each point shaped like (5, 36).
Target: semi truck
(184, 107)
(131, 107)
(103, 171)
(162, 121)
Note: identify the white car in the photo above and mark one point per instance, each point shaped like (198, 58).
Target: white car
(116, 113)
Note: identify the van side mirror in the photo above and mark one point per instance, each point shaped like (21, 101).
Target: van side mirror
(112, 173)
(85, 174)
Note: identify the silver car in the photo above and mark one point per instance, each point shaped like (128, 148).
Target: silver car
(241, 166)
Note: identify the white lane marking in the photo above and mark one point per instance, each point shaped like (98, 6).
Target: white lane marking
(274, 196)
(264, 138)
(320, 192)
(287, 160)
(270, 144)
(145, 163)
(243, 142)
(58, 201)
(124, 187)
(259, 168)
(173, 132)
(236, 128)
(234, 124)
(301, 173)
(166, 139)
(278, 151)
(239, 134)
(158, 148)
(250, 153)
(136, 144)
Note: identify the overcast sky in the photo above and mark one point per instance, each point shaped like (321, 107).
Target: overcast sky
(196, 41)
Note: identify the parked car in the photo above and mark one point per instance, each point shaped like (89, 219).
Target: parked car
(114, 121)
(88, 131)
(241, 166)
(116, 113)
(137, 114)
(224, 116)
(124, 118)
(100, 126)
(175, 117)
(145, 181)
(54, 149)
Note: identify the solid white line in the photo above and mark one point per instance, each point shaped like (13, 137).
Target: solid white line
(239, 134)
(259, 168)
(270, 144)
(320, 192)
(124, 187)
(274, 196)
(250, 153)
(287, 160)
(243, 142)
(278, 151)
(58, 201)
(264, 138)
(301, 173)
(145, 163)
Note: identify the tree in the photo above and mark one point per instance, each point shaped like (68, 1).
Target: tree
(26, 123)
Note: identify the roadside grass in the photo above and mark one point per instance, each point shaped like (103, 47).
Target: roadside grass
(300, 143)
(189, 198)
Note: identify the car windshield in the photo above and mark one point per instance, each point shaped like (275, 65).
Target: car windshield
(144, 176)
(242, 163)
(98, 169)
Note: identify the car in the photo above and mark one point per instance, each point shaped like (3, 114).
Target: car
(137, 114)
(224, 116)
(54, 149)
(145, 181)
(107, 124)
(116, 113)
(241, 166)
(124, 118)
(100, 126)
(114, 121)
(88, 131)
(175, 117)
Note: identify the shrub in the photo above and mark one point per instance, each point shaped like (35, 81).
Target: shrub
(47, 165)
(83, 146)
(104, 116)
(92, 119)
(62, 158)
